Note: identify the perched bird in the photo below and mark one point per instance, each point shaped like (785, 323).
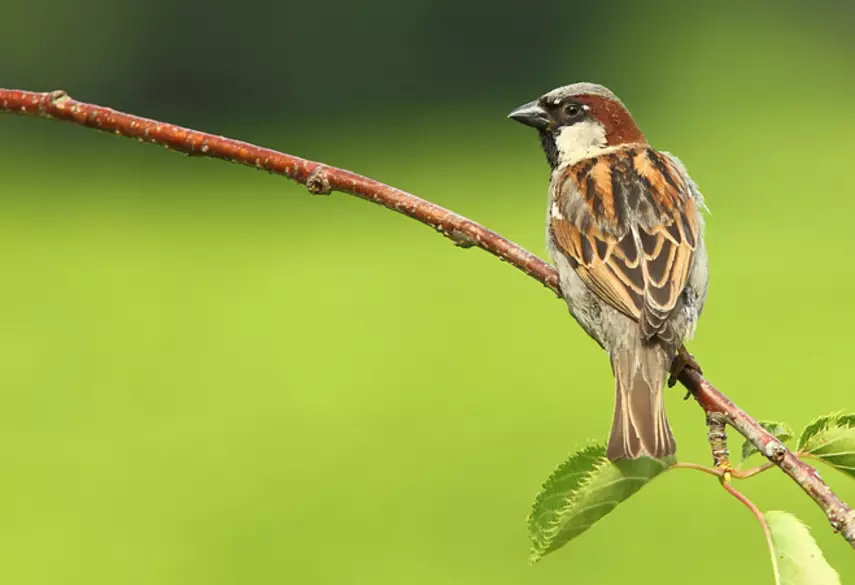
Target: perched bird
(625, 233)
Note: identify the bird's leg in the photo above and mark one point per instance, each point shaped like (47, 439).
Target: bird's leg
(683, 360)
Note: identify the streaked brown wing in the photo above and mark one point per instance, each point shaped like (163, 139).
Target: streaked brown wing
(611, 268)
(639, 269)
(667, 256)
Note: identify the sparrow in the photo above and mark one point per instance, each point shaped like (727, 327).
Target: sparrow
(625, 233)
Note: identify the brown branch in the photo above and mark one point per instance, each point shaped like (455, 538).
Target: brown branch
(839, 514)
(321, 179)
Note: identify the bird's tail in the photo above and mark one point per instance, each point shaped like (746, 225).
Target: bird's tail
(640, 426)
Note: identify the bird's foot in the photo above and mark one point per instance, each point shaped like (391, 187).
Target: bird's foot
(682, 361)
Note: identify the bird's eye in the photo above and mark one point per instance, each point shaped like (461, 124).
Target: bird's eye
(573, 110)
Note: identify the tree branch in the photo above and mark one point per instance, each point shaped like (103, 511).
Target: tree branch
(321, 179)
(839, 514)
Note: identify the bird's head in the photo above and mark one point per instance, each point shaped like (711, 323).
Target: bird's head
(579, 121)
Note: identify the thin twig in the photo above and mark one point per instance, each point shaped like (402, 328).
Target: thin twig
(321, 179)
(760, 518)
(738, 474)
(697, 467)
(719, 472)
(717, 437)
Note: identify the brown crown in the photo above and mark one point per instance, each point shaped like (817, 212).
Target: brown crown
(619, 125)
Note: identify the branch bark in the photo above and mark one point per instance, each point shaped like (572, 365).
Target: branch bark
(322, 179)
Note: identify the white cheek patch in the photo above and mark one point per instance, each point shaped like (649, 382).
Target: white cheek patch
(580, 141)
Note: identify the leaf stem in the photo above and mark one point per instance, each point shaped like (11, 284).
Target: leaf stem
(697, 467)
(760, 518)
(719, 472)
(738, 474)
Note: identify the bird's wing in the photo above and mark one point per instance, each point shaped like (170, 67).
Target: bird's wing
(629, 225)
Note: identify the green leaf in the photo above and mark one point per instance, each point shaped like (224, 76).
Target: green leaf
(798, 558)
(581, 491)
(832, 439)
(781, 431)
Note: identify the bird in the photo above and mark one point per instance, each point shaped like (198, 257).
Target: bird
(626, 235)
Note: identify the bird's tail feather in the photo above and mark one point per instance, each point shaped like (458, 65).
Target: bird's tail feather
(640, 426)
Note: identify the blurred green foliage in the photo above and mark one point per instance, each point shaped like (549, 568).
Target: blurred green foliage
(210, 377)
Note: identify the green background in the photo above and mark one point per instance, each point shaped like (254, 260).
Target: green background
(209, 376)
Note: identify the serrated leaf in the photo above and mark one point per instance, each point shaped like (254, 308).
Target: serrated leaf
(832, 439)
(781, 431)
(799, 559)
(582, 490)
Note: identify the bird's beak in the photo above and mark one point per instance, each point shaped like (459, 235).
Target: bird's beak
(532, 115)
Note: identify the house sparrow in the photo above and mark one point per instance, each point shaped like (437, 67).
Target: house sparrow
(625, 233)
